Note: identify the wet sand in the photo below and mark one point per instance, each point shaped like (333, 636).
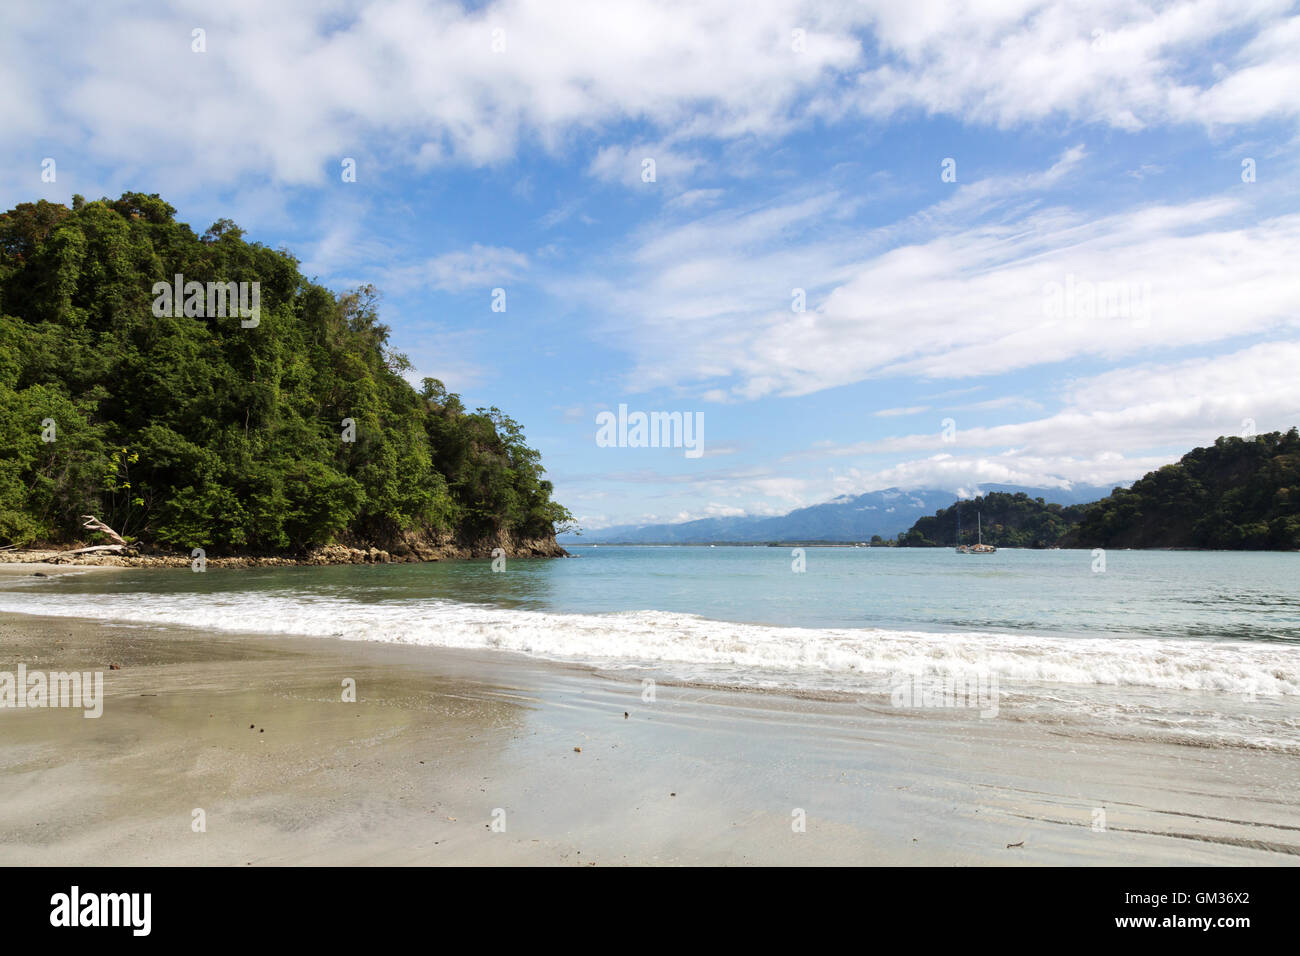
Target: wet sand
(253, 730)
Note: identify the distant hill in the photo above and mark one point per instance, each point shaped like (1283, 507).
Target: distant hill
(1008, 521)
(847, 518)
(1237, 494)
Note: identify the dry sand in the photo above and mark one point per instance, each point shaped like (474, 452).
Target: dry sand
(253, 730)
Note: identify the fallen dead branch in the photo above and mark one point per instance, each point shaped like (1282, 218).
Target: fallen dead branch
(94, 524)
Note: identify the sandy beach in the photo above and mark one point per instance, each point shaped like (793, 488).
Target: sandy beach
(253, 730)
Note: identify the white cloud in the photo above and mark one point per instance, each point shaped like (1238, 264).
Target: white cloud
(694, 198)
(964, 474)
(898, 412)
(645, 167)
(941, 297)
(1129, 410)
(478, 267)
(285, 90)
(1113, 62)
(1006, 401)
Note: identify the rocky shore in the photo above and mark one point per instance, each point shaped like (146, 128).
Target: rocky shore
(412, 552)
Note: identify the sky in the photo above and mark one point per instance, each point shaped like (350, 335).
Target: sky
(865, 245)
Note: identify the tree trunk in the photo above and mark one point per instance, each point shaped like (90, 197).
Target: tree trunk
(115, 548)
(94, 524)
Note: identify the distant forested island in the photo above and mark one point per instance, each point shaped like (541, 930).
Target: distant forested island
(281, 424)
(1237, 494)
(1007, 520)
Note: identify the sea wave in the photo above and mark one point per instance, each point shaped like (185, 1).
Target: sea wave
(692, 647)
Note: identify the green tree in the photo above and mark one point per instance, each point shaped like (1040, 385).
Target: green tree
(194, 431)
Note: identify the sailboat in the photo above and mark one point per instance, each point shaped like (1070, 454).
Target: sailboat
(981, 547)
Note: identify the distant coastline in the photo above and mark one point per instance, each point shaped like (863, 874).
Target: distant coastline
(867, 547)
(1239, 494)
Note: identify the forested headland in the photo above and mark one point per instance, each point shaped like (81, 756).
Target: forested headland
(274, 434)
(1237, 494)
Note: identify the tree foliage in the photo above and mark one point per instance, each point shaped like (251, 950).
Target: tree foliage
(200, 432)
(1009, 521)
(1238, 494)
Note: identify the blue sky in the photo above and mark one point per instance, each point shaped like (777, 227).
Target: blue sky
(1100, 144)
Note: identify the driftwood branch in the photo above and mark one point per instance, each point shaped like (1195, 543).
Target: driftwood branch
(115, 548)
(94, 524)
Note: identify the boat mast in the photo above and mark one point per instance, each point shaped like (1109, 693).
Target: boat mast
(979, 525)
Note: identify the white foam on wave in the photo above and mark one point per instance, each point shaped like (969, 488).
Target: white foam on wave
(691, 646)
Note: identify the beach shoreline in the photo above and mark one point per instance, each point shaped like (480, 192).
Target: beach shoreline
(488, 757)
(332, 554)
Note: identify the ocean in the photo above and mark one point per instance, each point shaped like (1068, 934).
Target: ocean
(1203, 647)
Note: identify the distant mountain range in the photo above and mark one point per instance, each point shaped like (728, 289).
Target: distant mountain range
(847, 518)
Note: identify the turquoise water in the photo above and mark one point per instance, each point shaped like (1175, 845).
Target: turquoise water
(1176, 595)
(1201, 645)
